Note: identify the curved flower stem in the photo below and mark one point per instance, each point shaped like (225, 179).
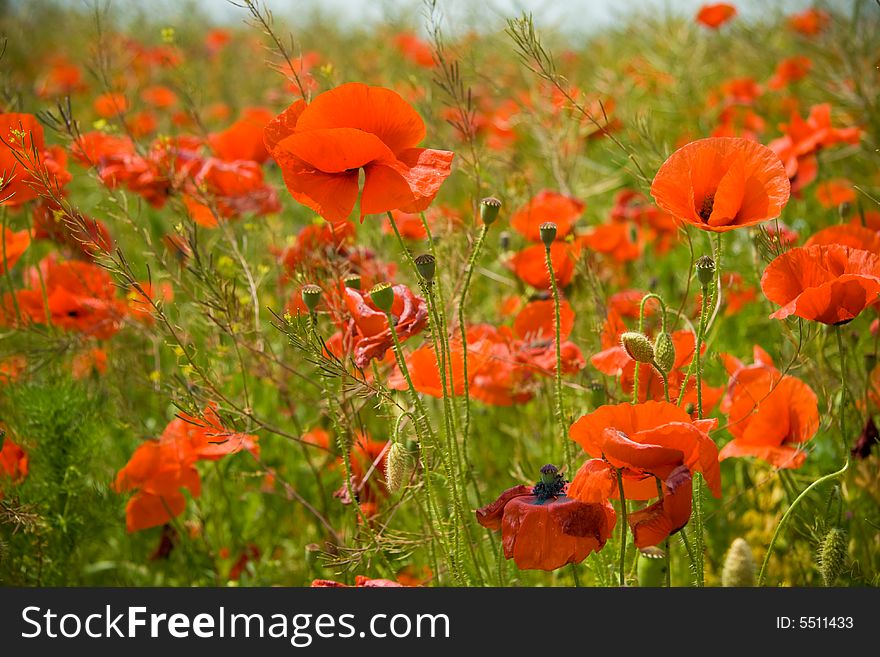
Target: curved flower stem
(689, 550)
(463, 330)
(623, 527)
(788, 512)
(842, 419)
(560, 408)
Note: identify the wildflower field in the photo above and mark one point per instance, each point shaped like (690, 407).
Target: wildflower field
(416, 304)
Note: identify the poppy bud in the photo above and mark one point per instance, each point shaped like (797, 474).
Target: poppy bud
(637, 346)
(426, 264)
(832, 555)
(548, 233)
(399, 466)
(353, 281)
(311, 296)
(739, 566)
(705, 270)
(664, 352)
(689, 408)
(489, 209)
(652, 567)
(597, 394)
(843, 209)
(382, 295)
(504, 241)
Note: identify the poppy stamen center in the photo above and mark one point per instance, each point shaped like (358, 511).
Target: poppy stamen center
(706, 208)
(551, 485)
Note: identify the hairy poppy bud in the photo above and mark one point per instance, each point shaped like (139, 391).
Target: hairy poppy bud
(652, 567)
(489, 209)
(689, 408)
(664, 352)
(705, 270)
(548, 233)
(353, 281)
(382, 295)
(739, 566)
(597, 394)
(637, 346)
(832, 555)
(399, 466)
(426, 264)
(311, 296)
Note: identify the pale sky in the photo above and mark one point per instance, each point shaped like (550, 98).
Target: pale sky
(572, 16)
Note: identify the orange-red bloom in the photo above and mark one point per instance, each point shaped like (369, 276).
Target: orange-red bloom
(722, 183)
(716, 15)
(12, 246)
(790, 70)
(769, 414)
(547, 205)
(13, 462)
(826, 283)
(25, 161)
(368, 329)
(79, 296)
(834, 192)
(809, 22)
(546, 532)
(648, 442)
(530, 264)
(321, 148)
(243, 140)
(159, 469)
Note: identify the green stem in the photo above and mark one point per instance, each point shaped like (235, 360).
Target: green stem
(557, 323)
(623, 527)
(463, 331)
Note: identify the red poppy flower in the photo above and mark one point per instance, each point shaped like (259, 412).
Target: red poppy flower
(722, 183)
(360, 581)
(13, 462)
(63, 78)
(716, 15)
(414, 49)
(809, 22)
(228, 190)
(790, 70)
(243, 140)
(768, 414)
(321, 147)
(21, 138)
(88, 362)
(835, 192)
(648, 442)
(547, 205)
(159, 96)
(408, 223)
(853, 235)
(545, 530)
(110, 105)
(11, 368)
(80, 296)
(830, 283)
(368, 326)
(12, 247)
(622, 242)
(159, 469)
(530, 264)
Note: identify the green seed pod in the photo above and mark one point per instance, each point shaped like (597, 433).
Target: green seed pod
(548, 233)
(311, 296)
(832, 555)
(382, 295)
(739, 566)
(426, 265)
(705, 267)
(399, 466)
(353, 281)
(504, 241)
(489, 209)
(664, 352)
(638, 346)
(652, 567)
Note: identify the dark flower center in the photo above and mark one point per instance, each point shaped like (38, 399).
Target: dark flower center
(551, 485)
(706, 207)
